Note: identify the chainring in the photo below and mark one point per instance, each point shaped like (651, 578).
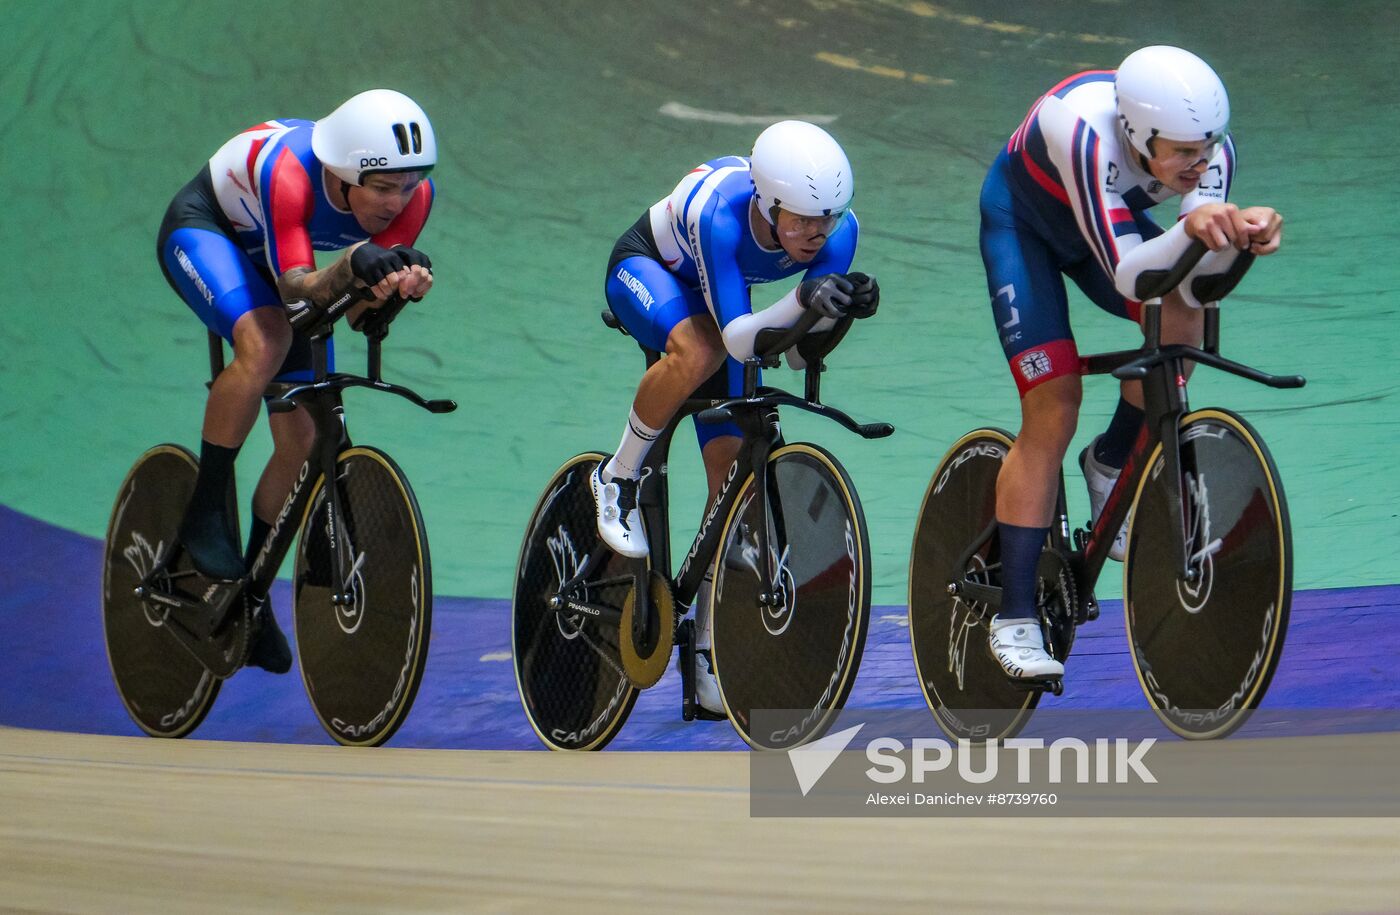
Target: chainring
(1057, 601)
(645, 664)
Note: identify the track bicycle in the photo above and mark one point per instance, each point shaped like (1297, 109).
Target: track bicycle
(786, 543)
(1207, 576)
(362, 578)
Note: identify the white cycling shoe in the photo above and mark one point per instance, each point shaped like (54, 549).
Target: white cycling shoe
(1101, 480)
(1019, 649)
(706, 686)
(619, 522)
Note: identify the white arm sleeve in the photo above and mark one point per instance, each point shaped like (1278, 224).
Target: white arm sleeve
(739, 334)
(1214, 262)
(1160, 254)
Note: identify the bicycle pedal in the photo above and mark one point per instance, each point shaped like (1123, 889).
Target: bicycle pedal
(704, 714)
(1053, 685)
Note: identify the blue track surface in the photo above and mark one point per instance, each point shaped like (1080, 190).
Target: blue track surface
(54, 672)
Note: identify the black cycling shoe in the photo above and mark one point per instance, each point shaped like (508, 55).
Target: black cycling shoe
(206, 539)
(270, 650)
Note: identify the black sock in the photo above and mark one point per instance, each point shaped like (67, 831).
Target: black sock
(207, 530)
(215, 467)
(1113, 446)
(257, 533)
(1020, 553)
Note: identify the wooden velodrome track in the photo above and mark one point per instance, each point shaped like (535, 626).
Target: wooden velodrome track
(97, 823)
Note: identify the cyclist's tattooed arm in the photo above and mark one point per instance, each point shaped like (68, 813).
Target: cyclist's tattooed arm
(320, 287)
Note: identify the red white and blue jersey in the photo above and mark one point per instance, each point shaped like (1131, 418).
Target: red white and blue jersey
(273, 190)
(703, 233)
(1083, 187)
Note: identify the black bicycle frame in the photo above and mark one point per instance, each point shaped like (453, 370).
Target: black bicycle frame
(1162, 371)
(756, 414)
(322, 400)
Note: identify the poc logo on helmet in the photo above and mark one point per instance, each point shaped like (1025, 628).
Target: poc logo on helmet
(376, 162)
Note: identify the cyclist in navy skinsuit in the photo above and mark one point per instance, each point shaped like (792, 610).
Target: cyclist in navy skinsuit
(1069, 196)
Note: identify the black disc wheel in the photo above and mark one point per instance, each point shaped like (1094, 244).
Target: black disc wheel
(1205, 645)
(568, 665)
(165, 690)
(966, 689)
(798, 652)
(362, 636)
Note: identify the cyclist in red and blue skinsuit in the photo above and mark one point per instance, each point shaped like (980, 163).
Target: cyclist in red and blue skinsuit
(238, 241)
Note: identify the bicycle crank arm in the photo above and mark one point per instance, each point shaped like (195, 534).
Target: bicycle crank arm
(976, 592)
(567, 606)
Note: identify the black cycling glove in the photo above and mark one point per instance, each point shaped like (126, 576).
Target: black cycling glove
(370, 263)
(865, 295)
(829, 295)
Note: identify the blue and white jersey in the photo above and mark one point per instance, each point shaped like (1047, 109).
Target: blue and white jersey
(1082, 186)
(703, 232)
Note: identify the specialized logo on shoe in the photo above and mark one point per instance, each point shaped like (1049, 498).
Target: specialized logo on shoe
(1034, 364)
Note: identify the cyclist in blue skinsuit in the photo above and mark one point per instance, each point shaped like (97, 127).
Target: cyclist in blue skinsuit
(1069, 195)
(680, 279)
(237, 242)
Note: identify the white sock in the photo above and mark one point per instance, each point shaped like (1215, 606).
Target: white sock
(631, 451)
(704, 607)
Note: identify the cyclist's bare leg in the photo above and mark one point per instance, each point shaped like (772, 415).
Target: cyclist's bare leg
(293, 434)
(261, 339)
(1027, 487)
(719, 455)
(694, 352)
(1180, 324)
(1030, 475)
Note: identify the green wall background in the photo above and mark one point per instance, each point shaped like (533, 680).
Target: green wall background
(554, 136)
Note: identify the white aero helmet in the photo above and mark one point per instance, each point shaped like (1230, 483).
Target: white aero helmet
(1168, 92)
(376, 132)
(799, 167)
